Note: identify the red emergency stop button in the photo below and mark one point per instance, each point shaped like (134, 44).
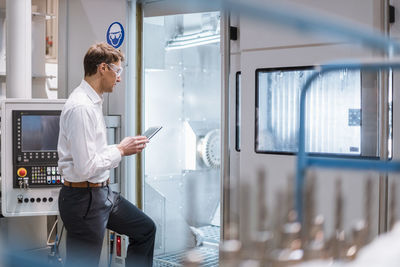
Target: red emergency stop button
(22, 172)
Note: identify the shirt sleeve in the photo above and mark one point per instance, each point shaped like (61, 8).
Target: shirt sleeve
(88, 162)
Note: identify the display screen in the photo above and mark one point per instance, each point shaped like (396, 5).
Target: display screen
(39, 132)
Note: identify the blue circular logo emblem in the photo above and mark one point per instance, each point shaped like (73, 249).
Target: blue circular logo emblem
(115, 34)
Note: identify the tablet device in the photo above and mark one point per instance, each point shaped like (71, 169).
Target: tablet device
(151, 131)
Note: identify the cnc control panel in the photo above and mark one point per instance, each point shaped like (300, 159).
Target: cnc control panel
(30, 179)
(35, 148)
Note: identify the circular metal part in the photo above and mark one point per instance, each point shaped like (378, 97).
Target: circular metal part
(210, 149)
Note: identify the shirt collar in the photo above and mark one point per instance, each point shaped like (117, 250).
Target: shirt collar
(92, 94)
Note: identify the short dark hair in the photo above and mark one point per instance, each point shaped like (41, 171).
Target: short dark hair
(99, 53)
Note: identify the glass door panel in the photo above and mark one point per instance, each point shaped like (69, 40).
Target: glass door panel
(182, 88)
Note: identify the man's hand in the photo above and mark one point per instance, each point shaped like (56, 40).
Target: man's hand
(132, 145)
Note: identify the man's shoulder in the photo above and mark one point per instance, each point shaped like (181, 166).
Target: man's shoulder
(78, 100)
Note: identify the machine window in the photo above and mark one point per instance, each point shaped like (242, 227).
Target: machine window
(182, 92)
(333, 111)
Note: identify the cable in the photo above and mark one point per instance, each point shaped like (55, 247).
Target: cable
(51, 232)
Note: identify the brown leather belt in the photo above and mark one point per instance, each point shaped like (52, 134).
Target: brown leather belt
(86, 184)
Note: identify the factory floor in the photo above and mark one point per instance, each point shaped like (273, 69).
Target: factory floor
(208, 250)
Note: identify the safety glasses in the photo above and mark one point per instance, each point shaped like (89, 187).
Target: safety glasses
(116, 69)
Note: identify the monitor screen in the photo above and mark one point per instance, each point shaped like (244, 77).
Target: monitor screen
(39, 132)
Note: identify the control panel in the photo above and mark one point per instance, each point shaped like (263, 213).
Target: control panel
(35, 155)
(37, 176)
(30, 181)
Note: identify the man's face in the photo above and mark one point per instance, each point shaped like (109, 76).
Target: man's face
(111, 76)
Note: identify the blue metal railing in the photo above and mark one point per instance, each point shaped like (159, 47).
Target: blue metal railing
(304, 160)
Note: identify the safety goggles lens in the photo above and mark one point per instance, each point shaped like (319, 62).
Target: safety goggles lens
(116, 69)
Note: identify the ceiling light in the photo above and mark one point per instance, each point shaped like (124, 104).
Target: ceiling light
(194, 39)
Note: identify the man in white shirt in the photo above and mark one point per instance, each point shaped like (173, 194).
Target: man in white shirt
(86, 203)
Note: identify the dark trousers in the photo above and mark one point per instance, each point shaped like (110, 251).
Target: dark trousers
(87, 212)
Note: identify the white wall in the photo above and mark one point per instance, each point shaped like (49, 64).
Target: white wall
(87, 23)
(264, 35)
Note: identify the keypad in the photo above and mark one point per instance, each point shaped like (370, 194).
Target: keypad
(45, 175)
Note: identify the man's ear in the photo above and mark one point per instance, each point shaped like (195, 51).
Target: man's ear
(101, 68)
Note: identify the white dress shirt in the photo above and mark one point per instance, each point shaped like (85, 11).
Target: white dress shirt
(82, 144)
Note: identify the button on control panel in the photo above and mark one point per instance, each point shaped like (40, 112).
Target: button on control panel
(25, 199)
(21, 172)
(37, 176)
